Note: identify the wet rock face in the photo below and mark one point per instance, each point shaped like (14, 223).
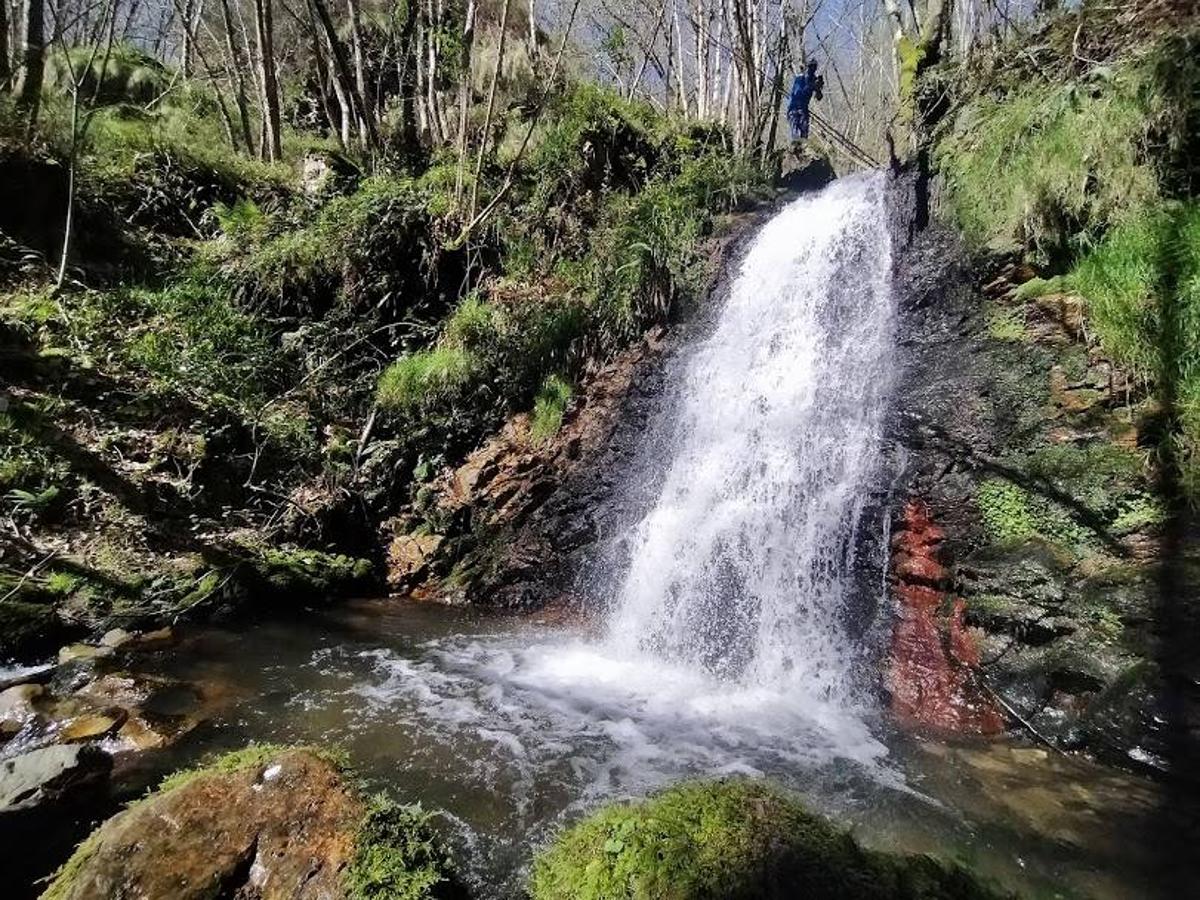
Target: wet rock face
(515, 524)
(933, 674)
(1030, 451)
(281, 827)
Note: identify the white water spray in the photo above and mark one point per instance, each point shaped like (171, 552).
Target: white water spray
(743, 566)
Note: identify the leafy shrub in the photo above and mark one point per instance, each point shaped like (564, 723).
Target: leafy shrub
(398, 856)
(376, 249)
(120, 74)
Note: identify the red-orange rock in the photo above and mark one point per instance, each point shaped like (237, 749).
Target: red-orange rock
(934, 654)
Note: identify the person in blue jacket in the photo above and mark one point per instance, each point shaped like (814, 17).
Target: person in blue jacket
(804, 88)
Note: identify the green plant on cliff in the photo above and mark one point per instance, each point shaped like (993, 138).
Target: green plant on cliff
(729, 839)
(548, 408)
(1004, 508)
(426, 378)
(398, 856)
(1142, 286)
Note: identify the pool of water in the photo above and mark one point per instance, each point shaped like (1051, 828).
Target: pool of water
(515, 727)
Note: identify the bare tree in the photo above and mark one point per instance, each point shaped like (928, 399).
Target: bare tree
(918, 41)
(103, 37)
(264, 28)
(5, 71)
(491, 105)
(33, 59)
(464, 95)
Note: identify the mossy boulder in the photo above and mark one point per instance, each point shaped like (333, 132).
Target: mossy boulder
(267, 822)
(730, 839)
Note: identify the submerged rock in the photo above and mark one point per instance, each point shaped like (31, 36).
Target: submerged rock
(730, 840)
(264, 822)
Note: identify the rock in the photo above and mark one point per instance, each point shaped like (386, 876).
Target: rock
(116, 637)
(409, 556)
(164, 635)
(92, 725)
(265, 822)
(934, 655)
(74, 652)
(17, 707)
(735, 839)
(49, 775)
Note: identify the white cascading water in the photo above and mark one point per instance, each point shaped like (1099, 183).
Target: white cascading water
(743, 566)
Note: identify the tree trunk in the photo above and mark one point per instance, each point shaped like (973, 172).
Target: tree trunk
(348, 96)
(5, 71)
(491, 105)
(464, 96)
(239, 83)
(360, 71)
(269, 82)
(33, 59)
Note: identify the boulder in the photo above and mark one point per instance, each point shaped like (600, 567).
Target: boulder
(49, 775)
(264, 822)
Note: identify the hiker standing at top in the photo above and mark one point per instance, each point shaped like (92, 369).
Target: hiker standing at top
(804, 88)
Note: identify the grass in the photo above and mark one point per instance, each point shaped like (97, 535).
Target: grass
(426, 378)
(1051, 165)
(548, 409)
(1142, 287)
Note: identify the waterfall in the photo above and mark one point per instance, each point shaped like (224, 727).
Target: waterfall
(743, 566)
(728, 645)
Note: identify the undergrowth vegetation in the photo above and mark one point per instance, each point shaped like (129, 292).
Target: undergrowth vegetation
(1088, 168)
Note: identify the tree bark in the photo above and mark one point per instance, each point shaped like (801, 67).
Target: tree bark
(239, 83)
(33, 59)
(268, 79)
(464, 96)
(348, 96)
(491, 105)
(5, 70)
(360, 71)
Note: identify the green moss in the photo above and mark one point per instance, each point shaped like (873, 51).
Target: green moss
(1006, 324)
(63, 879)
(1004, 508)
(548, 409)
(398, 856)
(251, 756)
(310, 573)
(728, 839)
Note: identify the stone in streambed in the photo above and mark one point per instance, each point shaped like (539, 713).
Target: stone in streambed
(264, 822)
(18, 707)
(736, 840)
(49, 775)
